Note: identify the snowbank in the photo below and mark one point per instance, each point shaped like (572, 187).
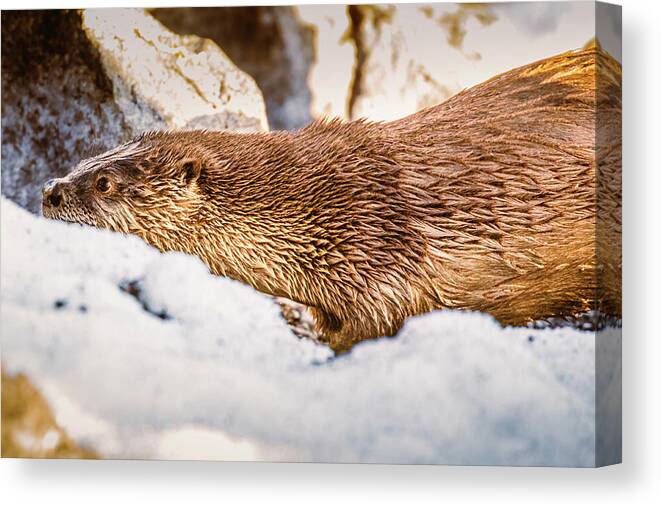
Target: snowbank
(142, 354)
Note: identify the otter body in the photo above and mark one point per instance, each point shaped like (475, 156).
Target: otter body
(490, 201)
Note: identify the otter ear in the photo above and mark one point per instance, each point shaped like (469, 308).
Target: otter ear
(190, 170)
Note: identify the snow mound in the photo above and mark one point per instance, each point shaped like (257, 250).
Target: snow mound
(143, 354)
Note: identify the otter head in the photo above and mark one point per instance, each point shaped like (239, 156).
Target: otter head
(149, 187)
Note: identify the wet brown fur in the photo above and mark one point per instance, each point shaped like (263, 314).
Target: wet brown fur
(488, 201)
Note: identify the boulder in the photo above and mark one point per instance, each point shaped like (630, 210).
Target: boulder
(302, 57)
(78, 81)
(270, 43)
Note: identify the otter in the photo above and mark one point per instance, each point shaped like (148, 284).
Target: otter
(504, 199)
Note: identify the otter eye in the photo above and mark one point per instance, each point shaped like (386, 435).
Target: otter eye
(103, 184)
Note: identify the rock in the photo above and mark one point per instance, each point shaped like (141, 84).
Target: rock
(56, 100)
(331, 76)
(183, 82)
(75, 81)
(364, 64)
(409, 57)
(271, 44)
(379, 62)
(391, 80)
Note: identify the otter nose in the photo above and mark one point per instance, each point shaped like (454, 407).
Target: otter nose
(52, 193)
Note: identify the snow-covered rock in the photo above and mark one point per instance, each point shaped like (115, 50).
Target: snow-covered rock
(76, 81)
(143, 354)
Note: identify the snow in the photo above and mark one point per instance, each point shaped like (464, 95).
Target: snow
(223, 377)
